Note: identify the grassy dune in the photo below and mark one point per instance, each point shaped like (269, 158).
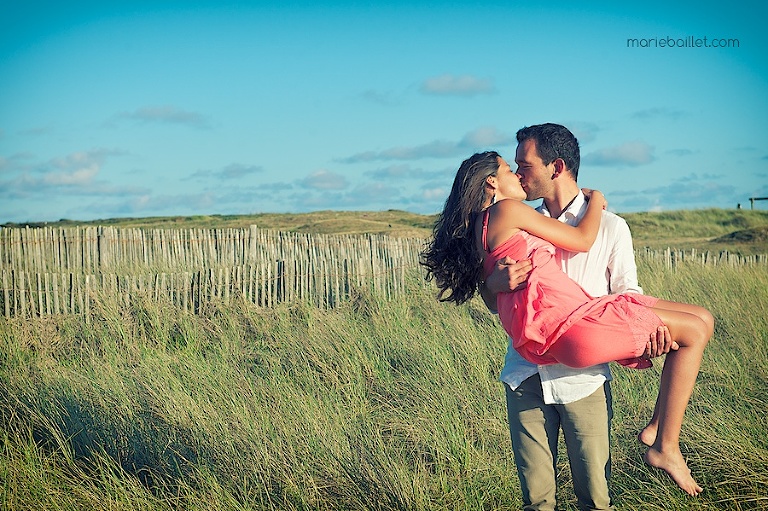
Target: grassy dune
(380, 405)
(374, 405)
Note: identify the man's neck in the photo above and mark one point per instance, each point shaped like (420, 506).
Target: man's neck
(560, 200)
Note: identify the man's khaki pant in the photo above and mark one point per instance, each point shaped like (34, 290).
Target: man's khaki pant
(534, 427)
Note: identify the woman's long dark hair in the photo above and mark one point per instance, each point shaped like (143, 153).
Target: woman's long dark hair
(451, 258)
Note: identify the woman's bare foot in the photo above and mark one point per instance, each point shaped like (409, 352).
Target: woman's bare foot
(674, 465)
(648, 435)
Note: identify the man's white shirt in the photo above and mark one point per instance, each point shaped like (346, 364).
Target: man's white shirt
(608, 267)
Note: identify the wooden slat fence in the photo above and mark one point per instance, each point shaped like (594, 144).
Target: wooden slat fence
(49, 270)
(59, 270)
(671, 258)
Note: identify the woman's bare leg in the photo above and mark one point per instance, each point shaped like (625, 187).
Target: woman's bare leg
(691, 326)
(648, 435)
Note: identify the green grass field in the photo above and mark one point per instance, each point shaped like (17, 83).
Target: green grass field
(380, 405)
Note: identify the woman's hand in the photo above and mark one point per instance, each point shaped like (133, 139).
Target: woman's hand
(595, 196)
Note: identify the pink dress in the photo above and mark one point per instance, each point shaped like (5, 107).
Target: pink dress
(553, 319)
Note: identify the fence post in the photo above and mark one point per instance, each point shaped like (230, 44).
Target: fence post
(280, 281)
(6, 302)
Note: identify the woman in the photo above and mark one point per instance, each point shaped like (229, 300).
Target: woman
(552, 319)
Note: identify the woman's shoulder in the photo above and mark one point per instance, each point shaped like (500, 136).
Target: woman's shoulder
(509, 210)
(503, 222)
(507, 205)
(510, 203)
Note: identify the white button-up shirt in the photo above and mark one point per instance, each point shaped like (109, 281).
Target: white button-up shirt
(608, 267)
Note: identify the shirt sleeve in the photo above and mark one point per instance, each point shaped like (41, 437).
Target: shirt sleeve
(621, 264)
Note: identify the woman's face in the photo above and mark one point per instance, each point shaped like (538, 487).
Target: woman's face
(507, 183)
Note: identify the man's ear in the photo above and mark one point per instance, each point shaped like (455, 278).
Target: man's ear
(559, 167)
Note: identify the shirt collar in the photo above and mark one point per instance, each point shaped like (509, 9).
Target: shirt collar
(575, 209)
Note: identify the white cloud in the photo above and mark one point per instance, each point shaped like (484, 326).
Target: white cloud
(486, 137)
(78, 168)
(396, 171)
(436, 193)
(237, 170)
(434, 149)
(659, 113)
(324, 180)
(371, 193)
(231, 171)
(585, 132)
(73, 175)
(164, 114)
(380, 98)
(39, 131)
(157, 204)
(483, 138)
(463, 85)
(81, 176)
(627, 154)
(403, 171)
(681, 152)
(694, 190)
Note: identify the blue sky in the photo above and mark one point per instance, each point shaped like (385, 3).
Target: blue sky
(132, 109)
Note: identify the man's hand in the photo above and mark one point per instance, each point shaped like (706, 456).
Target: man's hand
(589, 194)
(509, 275)
(660, 343)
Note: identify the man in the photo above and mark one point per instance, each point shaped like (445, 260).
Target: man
(543, 399)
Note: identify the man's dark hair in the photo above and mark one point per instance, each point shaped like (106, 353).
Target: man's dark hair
(553, 141)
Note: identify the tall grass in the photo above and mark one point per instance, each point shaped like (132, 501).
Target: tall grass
(374, 405)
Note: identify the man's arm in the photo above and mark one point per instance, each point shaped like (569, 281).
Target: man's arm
(508, 275)
(621, 263)
(623, 279)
